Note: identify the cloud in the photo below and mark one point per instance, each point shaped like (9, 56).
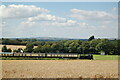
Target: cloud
(48, 20)
(53, 28)
(92, 15)
(20, 11)
(39, 22)
(46, 17)
(115, 9)
(67, 23)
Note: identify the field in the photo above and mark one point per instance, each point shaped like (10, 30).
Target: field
(13, 47)
(106, 57)
(60, 68)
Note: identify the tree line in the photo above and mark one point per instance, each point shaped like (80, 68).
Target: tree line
(92, 46)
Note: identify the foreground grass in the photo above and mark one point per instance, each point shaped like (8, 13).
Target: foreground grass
(106, 57)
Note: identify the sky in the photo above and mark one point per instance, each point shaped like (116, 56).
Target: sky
(59, 19)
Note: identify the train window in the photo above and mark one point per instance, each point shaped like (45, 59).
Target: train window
(23, 54)
(51, 55)
(26, 54)
(40, 55)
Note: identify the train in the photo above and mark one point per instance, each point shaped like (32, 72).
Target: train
(49, 55)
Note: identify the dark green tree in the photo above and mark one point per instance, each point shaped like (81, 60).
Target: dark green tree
(29, 48)
(9, 50)
(4, 49)
(19, 49)
(93, 44)
(15, 51)
(104, 46)
(91, 38)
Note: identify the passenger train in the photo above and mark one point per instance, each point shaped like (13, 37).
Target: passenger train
(48, 55)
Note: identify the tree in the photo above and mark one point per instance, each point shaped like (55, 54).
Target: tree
(19, 40)
(104, 46)
(91, 38)
(4, 49)
(73, 47)
(46, 48)
(55, 47)
(15, 51)
(79, 50)
(85, 47)
(114, 48)
(36, 50)
(19, 49)
(93, 44)
(29, 48)
(9, 50)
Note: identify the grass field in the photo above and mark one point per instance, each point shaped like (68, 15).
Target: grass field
(59, 68)
(106, 57)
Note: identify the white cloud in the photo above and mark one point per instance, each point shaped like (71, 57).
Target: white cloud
(67, 23)
(28, 24)
(20, 11)
(92, 15)
(38, 22)
(46, 17)
(115, 9)
(49, 20)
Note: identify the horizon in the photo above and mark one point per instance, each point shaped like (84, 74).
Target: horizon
(51, 38)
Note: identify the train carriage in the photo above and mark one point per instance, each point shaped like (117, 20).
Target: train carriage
(49, 55)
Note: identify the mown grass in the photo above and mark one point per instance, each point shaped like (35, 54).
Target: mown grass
(106, 57)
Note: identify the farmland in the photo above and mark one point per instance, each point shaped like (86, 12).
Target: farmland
(59, 68)
(13, 47)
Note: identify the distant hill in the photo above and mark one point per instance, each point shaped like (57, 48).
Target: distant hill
(55, 39)
(50, 39)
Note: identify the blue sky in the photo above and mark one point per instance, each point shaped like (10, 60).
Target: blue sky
(59, 19)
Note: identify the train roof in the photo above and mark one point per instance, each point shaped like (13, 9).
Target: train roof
(49, 53)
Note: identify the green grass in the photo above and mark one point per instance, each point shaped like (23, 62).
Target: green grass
(106, 57)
